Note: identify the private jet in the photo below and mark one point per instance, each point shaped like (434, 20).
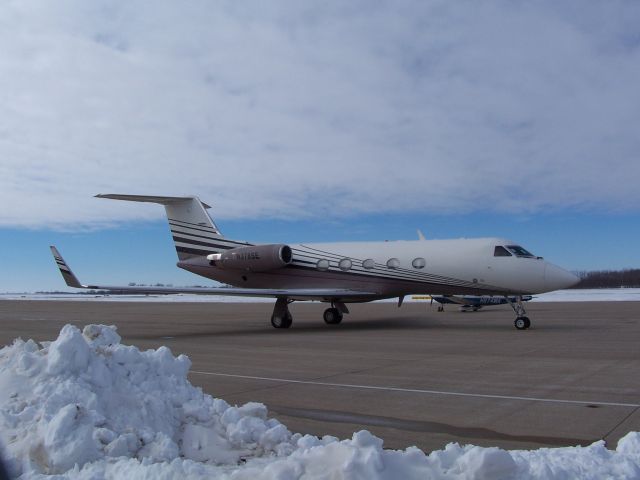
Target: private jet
(344, 272)
(473, 303)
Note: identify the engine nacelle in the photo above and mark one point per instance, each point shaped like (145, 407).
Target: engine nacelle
(259, 258)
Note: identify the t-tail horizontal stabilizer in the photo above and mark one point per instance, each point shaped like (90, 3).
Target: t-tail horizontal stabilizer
(67, 274)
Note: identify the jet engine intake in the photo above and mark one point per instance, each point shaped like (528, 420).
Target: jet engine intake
(258, 258)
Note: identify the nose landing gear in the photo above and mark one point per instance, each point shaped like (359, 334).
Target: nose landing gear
(521, 322)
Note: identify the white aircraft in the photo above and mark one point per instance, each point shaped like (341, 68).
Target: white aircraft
(341, 273)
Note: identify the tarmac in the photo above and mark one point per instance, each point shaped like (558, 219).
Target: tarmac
(410, 375)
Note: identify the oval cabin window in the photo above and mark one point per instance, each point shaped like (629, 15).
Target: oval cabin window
(393, 263)
(345, 264)
(369, 263)
(322, 265)
(419, 262)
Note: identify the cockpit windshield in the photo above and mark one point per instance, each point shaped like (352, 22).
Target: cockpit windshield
(518, 251)
(501, 252)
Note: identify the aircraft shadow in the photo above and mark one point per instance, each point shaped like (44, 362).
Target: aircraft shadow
(320, 328)
(436, 323)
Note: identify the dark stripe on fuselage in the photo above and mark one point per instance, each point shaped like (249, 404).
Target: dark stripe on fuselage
(426, 276)
(397, 273)
(380, 272)
(388, 275)
(380, 269)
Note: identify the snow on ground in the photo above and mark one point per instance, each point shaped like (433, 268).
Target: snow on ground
(587, 295)
(591, 295)
(133, 298)
(86, 406)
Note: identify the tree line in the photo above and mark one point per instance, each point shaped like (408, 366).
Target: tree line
(629, 278)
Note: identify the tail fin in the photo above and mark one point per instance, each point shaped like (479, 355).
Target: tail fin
(194, 233)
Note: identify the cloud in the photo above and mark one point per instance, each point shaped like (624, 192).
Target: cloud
(300, 110)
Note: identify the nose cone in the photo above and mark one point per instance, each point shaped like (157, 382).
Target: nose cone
(557, 278)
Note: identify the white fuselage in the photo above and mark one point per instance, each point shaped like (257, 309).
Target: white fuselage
(460, 266)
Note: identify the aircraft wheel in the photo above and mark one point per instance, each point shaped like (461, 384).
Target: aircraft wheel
(440, 308)
(522, 323)
(332, 316)
(282, 321)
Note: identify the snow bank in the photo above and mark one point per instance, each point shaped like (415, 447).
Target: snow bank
(85, 406)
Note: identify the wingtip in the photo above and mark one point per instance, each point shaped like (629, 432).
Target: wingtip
(69, 277)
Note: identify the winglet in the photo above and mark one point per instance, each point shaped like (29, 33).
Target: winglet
(67, 274)
(420, 235)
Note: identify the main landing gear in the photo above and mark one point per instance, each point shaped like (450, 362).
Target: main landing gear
(332, 316)
(281, 317)
(521, 322)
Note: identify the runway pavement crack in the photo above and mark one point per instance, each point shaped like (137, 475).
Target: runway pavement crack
(604, 437)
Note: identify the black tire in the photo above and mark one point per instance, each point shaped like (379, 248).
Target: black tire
(283, 321)
(521, 323)
(527, 322)
(332, 316)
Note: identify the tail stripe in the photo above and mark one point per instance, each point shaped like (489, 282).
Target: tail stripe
(196, 242)
(176, 231)
(187, 235)
(199, 230)
(195, 238)
(200, 225)
(195, 226)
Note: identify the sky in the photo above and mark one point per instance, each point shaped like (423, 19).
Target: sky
(316, 121)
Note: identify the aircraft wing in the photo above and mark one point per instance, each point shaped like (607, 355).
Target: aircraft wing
(294, 294)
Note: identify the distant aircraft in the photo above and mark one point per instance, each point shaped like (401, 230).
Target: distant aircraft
(342, 273)
(474, 302)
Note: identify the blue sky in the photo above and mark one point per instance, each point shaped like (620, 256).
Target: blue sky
(316, 122)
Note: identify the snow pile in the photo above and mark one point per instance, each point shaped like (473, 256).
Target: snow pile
(85, 397)
(85, 406)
